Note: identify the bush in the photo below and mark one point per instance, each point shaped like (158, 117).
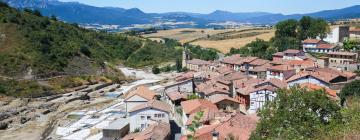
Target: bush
(155, 70)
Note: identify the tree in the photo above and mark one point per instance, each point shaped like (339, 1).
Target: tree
(178, 65)
(286, 28)
(350, 90)
(155, 69)
(350, 45)
(297, 114)
(194, 126)
(304, 26)
(284, 43)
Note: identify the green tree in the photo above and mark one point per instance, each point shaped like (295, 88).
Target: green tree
(350, 90)
(297, 114)
(286, 28)
(178, 65)
(194, 126)
(350, 45)
(304, 26)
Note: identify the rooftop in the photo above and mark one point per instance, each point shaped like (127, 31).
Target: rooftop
(154, 104)
(196, 105)
(198, 62)
(143, 92)
(312, 41)
(342, 53)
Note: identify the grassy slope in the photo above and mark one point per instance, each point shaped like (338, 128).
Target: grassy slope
(49, 47)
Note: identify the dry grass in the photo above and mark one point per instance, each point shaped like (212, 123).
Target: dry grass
(199, 37)
(225, 45)
(184, 35)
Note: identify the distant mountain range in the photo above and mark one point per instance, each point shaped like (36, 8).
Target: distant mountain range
(81, 13)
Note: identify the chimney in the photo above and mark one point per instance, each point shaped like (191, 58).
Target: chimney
(215, 135)
(242, 85)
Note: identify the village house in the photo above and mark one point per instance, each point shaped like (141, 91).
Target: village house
(238, 125)
(259, 72)
(318, 77)
(212, 89)
(138, 96)
(146, 114)
(193, 106)
(156, 131)
(311, 45)
(197, 64)
(346, 61)
(184, 86)
(230, 61)
(243, 64)
(289, 54)
(337, 34)
(355, 33)
(174, 99)
(301, 65)
(254, 93)
(281, 72)
(226, 103)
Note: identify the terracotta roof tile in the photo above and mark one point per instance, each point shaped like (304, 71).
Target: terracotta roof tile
(192, 106)
(281, 68)
(220, 98)
(342, 53)
(157, 131)
(259, 62)
(142, 91)
(198, 62)
(240, 126)
(278, 54)
(154, 104)
(313, 41)
(325, 46)
(318, 87)
(292, 51)
(175, 96)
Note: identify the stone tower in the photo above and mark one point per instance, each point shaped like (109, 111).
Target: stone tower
(185, 56)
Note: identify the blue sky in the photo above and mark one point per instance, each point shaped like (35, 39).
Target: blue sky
(207, 6)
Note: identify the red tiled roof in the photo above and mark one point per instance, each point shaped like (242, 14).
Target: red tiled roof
(198, 62)
(278, 54)
(157, 131)
(318, 87)
(292, 51)
(175, 96)
(143, 92)
(192, 106)
(355, 30)
(301, 63)
(208, 115)
(231, 59)
(325, 46)
(342, 53)
(240, 126)
(220, 98)
(281, 68)
(313, 41)
(321, 75)
(154, 104)
(259, 62)
(212, 86)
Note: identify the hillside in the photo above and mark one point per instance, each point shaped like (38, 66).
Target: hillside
(44, 45)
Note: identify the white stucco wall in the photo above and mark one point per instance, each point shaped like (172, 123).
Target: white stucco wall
(184, 87)
(134, 101)
(258, 100)
(310, 79)
(136, 120)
